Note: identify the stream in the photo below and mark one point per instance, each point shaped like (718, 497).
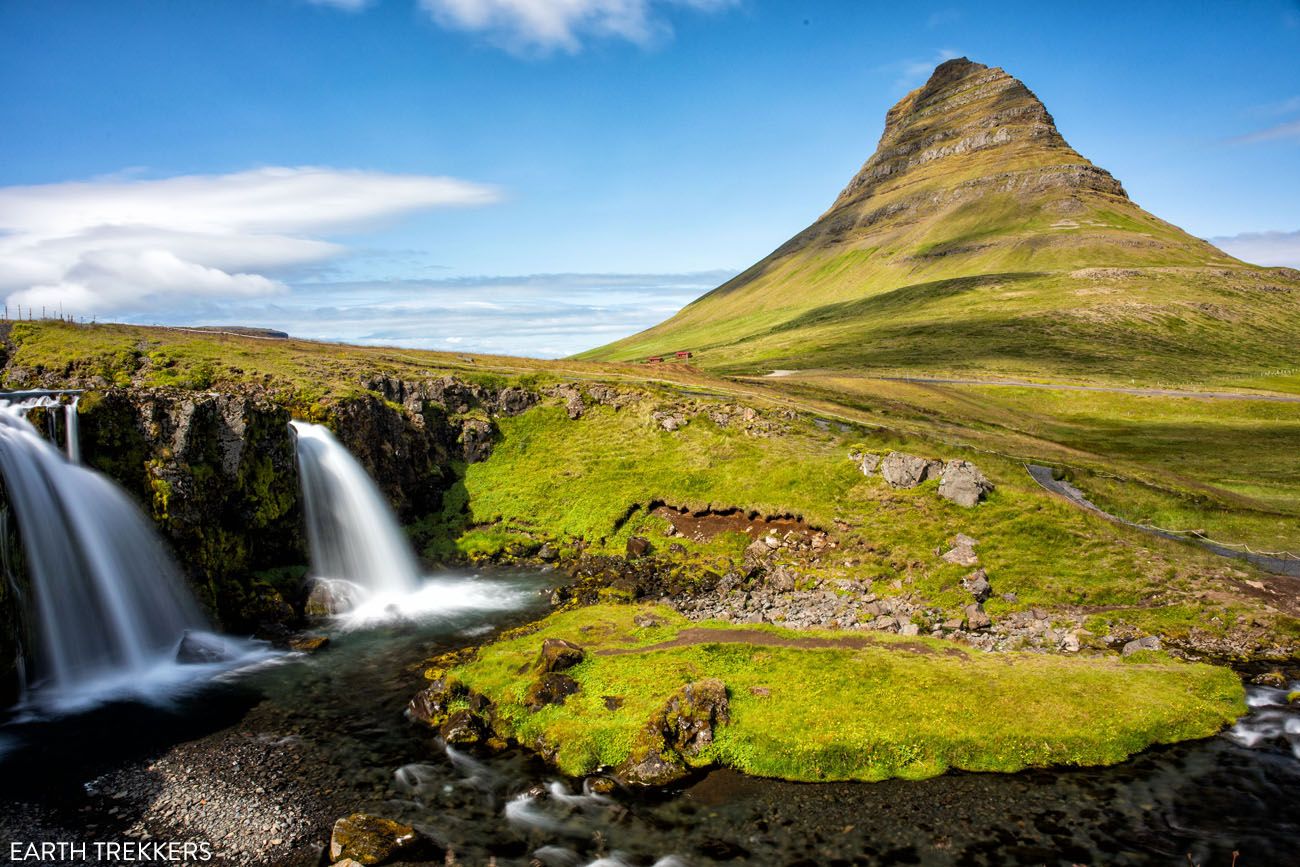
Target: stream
(260, 761)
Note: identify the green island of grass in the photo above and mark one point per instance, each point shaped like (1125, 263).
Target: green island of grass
(826, 705)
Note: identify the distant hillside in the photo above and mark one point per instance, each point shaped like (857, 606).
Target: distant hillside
(976, 239)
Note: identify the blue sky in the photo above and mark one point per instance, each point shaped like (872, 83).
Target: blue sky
(539, 176)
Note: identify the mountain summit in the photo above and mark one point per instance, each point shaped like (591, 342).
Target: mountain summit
(975, 238)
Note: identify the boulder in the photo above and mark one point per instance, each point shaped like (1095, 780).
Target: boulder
(652, 769)
(976, 618)
(962, 551)
(688, 719)
(463, 727)
(669, 421)
(198, 648)
(907, 471)
(475, 440)
(430, 705)
(547, 554)
(756, 552)
(558, 655)
(551, 688)
(1150, 642)
(573, 403)
(682, 728)
(371, 840)
(977, 585)
(781, 580)
(330, 596)
(309, 643)
(638, 546)
(866, 462)
(963, 483)
(1274, 678)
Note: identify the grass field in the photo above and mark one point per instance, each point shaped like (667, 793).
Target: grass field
(882, 707)
(1228, 467)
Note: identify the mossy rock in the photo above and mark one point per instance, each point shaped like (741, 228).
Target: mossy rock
(373, 840)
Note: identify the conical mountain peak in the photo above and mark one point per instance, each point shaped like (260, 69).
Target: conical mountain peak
(965, 110)
(976, 238)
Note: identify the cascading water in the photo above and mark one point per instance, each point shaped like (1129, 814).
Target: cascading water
(109, 605)
(72, 437)
(357, 548)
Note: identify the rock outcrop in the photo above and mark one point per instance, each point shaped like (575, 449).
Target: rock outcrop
(682, 729)
(963, 483)
(907, 471)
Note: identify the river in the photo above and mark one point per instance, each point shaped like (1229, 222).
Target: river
(259, 762)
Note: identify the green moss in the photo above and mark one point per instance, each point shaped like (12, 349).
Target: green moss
(890, 707)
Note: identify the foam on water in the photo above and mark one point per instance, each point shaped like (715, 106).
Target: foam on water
(1272, 721)
(435, 598)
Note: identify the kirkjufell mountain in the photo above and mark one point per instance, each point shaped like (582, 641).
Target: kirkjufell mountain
(976, 239)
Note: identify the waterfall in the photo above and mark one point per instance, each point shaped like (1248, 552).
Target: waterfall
(72, 437)
(352, 531)
(108, 603)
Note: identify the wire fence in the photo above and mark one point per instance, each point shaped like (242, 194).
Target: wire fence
(20, 313)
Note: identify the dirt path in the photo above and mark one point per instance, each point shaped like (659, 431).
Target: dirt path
(763, 638)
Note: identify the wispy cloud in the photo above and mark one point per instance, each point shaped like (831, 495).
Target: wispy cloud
(1263, 248)
(544, 26)
(125, 245)
(538, 315)
(913, 73)
(1289, 129)
(1281, 117)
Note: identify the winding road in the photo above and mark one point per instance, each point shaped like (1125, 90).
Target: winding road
(1115, 389)
(1277, 565)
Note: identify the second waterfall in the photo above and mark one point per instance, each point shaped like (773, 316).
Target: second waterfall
(358, 551)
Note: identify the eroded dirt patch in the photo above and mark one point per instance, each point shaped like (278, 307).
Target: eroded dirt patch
(701, 526)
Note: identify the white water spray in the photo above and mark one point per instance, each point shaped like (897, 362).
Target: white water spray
(351, 529)
(109, 605)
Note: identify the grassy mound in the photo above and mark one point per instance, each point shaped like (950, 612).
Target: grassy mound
(847, 706)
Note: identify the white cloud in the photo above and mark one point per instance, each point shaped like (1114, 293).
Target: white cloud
(540, 315)
(914, 73)
(1263, 248)
(1286, 130)
(124, 245)
(546, 25)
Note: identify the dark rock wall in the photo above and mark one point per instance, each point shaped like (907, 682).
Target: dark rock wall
(218, 473)
(15, 591)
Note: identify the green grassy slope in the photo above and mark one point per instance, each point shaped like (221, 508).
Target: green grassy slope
(976, 239)
(1225, 466)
